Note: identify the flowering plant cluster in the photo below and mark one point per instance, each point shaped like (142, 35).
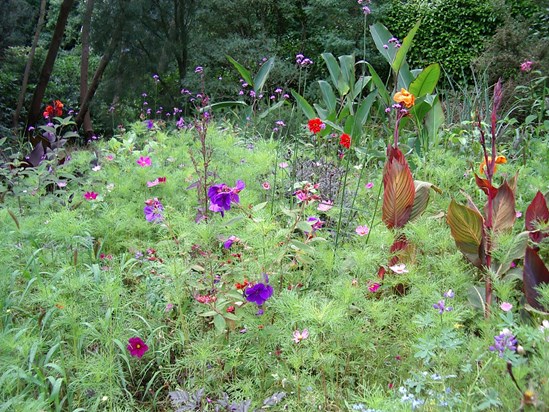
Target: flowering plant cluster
(55, 110)
(153, 210)
(221, 196)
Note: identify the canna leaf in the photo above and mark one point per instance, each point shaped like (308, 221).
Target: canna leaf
(400, 56)
(399, 190)
(381, 89)
(466, 226)
(426, 81)
(536, 213)
(504, 213)
(328, 95)
(421, 198)
(333, 68)
(304, 105)
(535, 273)
(242, 70)
(261, 76)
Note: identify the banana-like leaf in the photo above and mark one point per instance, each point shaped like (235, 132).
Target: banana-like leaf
(362, 113)
(421, 198)
(399, 190)
(274, 107)
(360, 84)
(261, 76)
(304, 105)
(433, 120)
(400, 56)
(381, 37)
(381, 88)
(426, 81)
(328, 95)
(333, 67)
(347, 79)
(223, 105)
(503, 207)
(242, 70)
(466, 226)
(535, 273)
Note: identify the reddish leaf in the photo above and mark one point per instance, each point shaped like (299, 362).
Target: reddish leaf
(399, 246)
(466, 226)
(421, 197)
(381, 272)
(485, 186)
(504, 213)
(537, 213)
(399, 190)
(535, 273)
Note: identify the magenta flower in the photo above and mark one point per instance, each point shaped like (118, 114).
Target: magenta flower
(369, 185)
(156, 181)
(374, 287)
(221, 196)
(526, 66)
(90, 195)
(259, 293)
(266, 185)
(144, 161)
(362, 230)
(137, 347)
(299, 336)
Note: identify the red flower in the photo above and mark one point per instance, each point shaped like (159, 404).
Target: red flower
(58, 108)
(137, 347)
(48, 112)
(345, 140)
(315, 125)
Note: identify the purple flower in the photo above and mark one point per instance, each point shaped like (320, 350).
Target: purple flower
(505, 340)
(137, 347)
(450, 294)
(150, 124)
(153, 210)
(221, 196)
(259, 293)
(198, 69)
(229, 242)
(441, 307)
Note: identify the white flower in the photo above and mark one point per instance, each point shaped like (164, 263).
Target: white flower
(399, 268)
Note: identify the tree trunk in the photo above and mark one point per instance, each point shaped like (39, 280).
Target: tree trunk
(84, 66)
(28, 67)
(103, 63)
(47, 67)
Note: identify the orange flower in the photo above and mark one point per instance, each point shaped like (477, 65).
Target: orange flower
(499, 160)
(345, 140)
(405, 97)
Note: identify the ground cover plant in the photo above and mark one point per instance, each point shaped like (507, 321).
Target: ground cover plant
(225, 261)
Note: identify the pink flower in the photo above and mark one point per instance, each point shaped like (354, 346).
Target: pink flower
(399, 268)
(137, 347)
(369, 185)
(266, 185)
(374, 287)
(109, 157)
(325, 205)
(144, 161)
(90, 195)
(169, 307)
(518, 214)
(362, 230)
(283, 165)
(156, 181)
(62, 183)
(526, 66)
(299, 336)
(506, 306)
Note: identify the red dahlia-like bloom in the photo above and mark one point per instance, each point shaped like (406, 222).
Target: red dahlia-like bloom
(58, 108)
(137, 347)
(315, 125)
(345, 140)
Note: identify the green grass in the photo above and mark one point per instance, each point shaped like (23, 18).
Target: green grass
(73, 290)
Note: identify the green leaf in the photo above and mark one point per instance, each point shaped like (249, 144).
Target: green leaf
(274, 107)
(304, 226)
(433, 120)
(259, 207)
(302, 246)
(421, 198)
(262, 74)
(400, 56)
(333, 67)
(219, 323)
(466, 226)
(223, 105)
(328, 95)
(304, 105)
(242, 70)
(347, 79)
(515, 251)
(381, 37)
(362, 113)
(426, 81)
(381, 89)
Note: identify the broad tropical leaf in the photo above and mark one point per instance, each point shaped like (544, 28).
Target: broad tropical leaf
(535, 273)
(328, 95)
(261, 76)
(466, 226)
(382, 90)
(536, 213)
(426, 81)
(400, 56)
(242, 70)
(504, 213)
(399, 190)
(421, 198)
(304, 105)
(333, 67)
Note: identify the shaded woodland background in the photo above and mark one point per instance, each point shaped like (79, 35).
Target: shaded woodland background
(104, 54)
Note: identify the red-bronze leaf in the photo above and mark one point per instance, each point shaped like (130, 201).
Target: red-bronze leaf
(467, 228)
(536, 213)
(485, 186)
(504, 213)
(399, 190)
(535, 273)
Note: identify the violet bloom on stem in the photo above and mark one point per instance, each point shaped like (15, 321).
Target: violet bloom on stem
(221, 196)
(229, 242)
(441, 307)
(153, 210)
(505, 340)
(259, 293)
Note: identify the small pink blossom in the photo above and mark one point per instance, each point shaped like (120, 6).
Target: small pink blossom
(362, 230)
(62, 183)
(526, 66)
(518, 214)
(399, 268)
(144, 161)
(266, 185)
(369, 185)
(506, 306)
(109, 157)
(90, 195)
(374, 287)
(325, 205)
(283, 165)
(156, 181)
(169, 307)
(299, 336)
